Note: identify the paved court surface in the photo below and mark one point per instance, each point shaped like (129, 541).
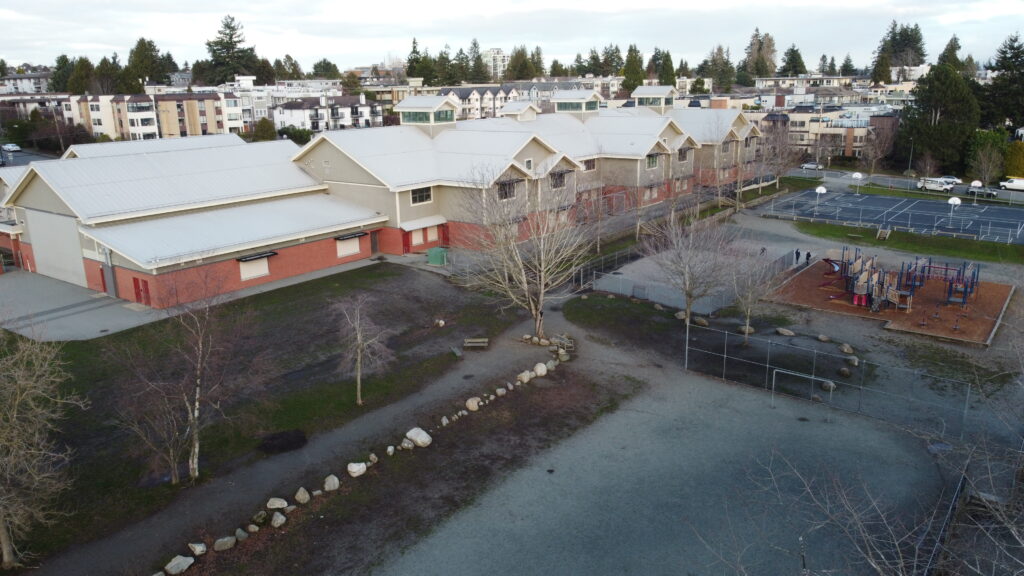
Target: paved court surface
(978, 221)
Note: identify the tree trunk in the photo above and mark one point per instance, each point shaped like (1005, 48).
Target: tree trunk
(173, 462)
(359, 378)
(193, 458)
(538, 324)
(6, 545)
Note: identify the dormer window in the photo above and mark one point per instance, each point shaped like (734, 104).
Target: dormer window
(507, 189)
(569, 107)
(444, 116)
(415, 117)
(652, 161)
(591, 105)
(529, 163)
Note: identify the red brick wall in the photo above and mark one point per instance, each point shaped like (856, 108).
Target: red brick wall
(6, 242)
(93, 274)
(389, 241)
(27, 257)
(196, 283)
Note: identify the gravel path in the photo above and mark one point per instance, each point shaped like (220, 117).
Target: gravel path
(222, 504)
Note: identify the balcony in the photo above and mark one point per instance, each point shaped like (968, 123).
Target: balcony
(315, 117)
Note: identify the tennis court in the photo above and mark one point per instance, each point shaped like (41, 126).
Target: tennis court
(968, 220)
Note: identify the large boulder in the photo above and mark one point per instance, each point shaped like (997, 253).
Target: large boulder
(523, 377)
(846, 348)
(681, 315)
(473, 404)
(844, 372)
(260, 518)
(197, 548)
(179, 564)
(419, 437)
(853, 361)
(744, 329)
(225, 543)
(302, 496)
(823, 338)
(241, 535)
(540, 369)
(407, 444)
(784, 332)
(276, 504)
(356, 469)
(331, 483)
(828, 385)
(278, 520)
(699, 321)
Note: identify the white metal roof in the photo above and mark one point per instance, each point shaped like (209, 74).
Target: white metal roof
(562, 95)
(128, 147)
(179, 238)
(422, 103)
(518, 106)
(707, 125)
(9, 178)
(120, 187)
(653, 91)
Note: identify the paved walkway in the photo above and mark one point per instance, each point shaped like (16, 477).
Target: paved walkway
(224, 503)
(44, 308)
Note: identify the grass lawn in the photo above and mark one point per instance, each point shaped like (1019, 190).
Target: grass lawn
(798, 182)
(919, 244)
(304, 393)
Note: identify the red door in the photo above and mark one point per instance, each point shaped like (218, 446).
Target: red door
(405, 242)
(141, 290)
(103, 280)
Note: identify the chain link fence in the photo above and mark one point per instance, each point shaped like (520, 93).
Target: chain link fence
(932, 405)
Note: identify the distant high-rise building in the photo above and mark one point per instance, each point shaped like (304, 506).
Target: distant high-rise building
(496, 61)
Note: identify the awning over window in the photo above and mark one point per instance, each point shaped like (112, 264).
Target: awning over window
(424, 222)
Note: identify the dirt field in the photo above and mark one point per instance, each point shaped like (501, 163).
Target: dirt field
(930, 315)
(405, 496)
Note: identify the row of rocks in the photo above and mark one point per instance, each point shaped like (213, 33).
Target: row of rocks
(277, 508)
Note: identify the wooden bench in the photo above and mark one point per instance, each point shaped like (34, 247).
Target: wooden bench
(476, 342)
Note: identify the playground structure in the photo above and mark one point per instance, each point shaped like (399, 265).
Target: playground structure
(870, 285)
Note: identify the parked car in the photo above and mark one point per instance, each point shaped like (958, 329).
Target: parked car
(11, 147)
(811, 166)
(982, 191)
(951, 179)
(934, 184)
(1012, 184)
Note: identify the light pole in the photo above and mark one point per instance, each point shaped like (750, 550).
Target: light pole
(818, 192)
(953, 202)
(910, 162)
(857, 177)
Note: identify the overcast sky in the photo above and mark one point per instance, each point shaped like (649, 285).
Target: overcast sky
(362, 33)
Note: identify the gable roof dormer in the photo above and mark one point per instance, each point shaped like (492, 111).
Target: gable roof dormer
(520, 111)
(432, 114)
(582, 104)
(657, 98)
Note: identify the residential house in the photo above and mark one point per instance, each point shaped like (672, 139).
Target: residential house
(727, 145)
(322, 113)
(29, 83)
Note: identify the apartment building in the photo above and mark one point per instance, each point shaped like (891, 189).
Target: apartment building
(29, 83)
(481, 101)
(147, 117)
(322, 113)
(496, 61)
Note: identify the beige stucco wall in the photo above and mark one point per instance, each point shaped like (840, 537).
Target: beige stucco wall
(39, 196)
(326, 163)
(534, 150)
(408, 211)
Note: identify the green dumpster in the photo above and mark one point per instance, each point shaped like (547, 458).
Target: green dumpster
(437, 256)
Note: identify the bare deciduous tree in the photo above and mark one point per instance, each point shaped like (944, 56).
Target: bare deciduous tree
(752, 280)
(987, 162)
(364, 343)
(927, 165)
(32, 463)
(202, 358)
(690, 256)
(521, 242)
(877, 146)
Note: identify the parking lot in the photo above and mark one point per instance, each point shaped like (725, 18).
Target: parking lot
(978, 221)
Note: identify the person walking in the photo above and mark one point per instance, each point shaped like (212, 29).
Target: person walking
(807, 258)
(797, 256)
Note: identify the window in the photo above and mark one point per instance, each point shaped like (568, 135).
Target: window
(682, 154)
(652, 161)
(416, 237)
(94, 107)
(131, 121)
(592, 105)
(569, 106)
(97, 122)
(415, 117)
(347, 247)
(147, 122)
(557, 180)
(250, 269)
(202, 105)
(421, 196)
(444, 116)
(589, 165)
(725, 148)
(506, 190)
(529, 163)
(432, 234)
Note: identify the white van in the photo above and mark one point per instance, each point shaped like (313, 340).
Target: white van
(934, 184)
